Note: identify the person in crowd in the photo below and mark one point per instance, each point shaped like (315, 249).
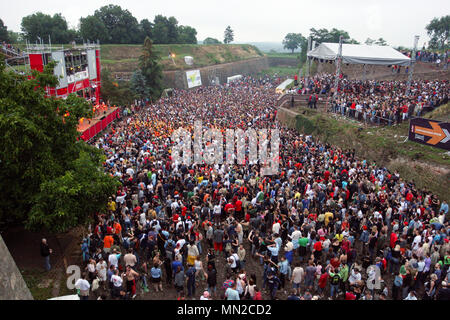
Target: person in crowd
(319, 223)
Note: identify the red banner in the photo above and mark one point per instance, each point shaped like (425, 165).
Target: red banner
(99, 126)
(36, 62)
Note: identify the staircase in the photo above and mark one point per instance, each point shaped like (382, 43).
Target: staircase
(301, 100)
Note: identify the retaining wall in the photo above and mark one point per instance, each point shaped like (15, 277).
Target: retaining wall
(12, 285)
(177, 79)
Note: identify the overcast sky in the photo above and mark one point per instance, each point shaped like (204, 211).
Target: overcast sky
(397, 21)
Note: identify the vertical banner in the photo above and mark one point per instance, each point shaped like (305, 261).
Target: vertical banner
(92, 64)
(36, 62)
(60, 69)
(194, 78)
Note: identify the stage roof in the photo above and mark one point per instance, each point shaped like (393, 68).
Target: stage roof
(360, 54)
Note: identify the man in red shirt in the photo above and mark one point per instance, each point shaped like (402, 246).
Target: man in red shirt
(394, 238)
(238, 208)
(229, 208)
(326, 175)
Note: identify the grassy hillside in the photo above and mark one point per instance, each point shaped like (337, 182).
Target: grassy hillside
(280, 71)
(428, 167)
(124, 58)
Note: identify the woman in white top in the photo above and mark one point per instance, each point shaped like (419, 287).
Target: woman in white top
(91, 269)
(200, 273)
(101, 269)
(249, 292)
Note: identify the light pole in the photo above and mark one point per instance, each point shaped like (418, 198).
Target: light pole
(412, 63)
(308, 58)
(338, 67)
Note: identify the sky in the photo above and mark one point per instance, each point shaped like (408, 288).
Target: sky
(397, 21)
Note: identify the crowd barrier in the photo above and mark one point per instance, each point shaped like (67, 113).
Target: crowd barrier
(100, 125)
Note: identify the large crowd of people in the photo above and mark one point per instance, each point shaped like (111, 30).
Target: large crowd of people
(378, 102)
(329, 225)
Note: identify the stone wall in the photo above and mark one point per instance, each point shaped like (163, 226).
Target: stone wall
(279, 61)
(12, 285)
(177, 79)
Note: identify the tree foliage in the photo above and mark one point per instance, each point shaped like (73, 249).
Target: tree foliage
(138, 85)
(293, 41)
(116, 92)
(109, 24)
(146, 28)
(43, 25)
(93, 29)
(381, 42)
(228, 35)
(439, 31)
(4, 36)
(44, 170)
(369, 41)
(187, 35)
(122, 26)
(151, 69)
(323, 35)
(211, 41)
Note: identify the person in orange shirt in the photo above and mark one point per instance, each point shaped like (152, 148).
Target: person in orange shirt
(118, 229)
(108, 242)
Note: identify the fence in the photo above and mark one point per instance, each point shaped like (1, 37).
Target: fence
(100, 126)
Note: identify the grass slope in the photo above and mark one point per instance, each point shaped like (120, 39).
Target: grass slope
(124, 58)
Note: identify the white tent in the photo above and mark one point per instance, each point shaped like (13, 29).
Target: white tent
(360, 54)
(283, 86)
(234, 78)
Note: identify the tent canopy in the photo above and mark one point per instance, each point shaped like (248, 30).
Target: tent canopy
(360, 54)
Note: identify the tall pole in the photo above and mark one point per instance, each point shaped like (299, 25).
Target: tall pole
(412, 63)
(338, 67)
(308, 59)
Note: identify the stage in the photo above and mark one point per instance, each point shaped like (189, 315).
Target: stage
(91, 127)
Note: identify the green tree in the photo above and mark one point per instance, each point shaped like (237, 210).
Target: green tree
(187, 35)
(160, 30)
(319, 35)
(172, 30)
(14, 37)
(43, 25)
(48, 178)
(228, 35)
(323, 35)
(293, 41)
(151, 69)
(369, 42)
(94, 29)
(138, 85)
(116, 92)
(211, 41)
(146, 29)
(121, 25)
(4, 36)
(381, 42)
(439, 31)
(64, 202)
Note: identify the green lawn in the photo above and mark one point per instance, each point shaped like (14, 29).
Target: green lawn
(280, 71)
(294, 55)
